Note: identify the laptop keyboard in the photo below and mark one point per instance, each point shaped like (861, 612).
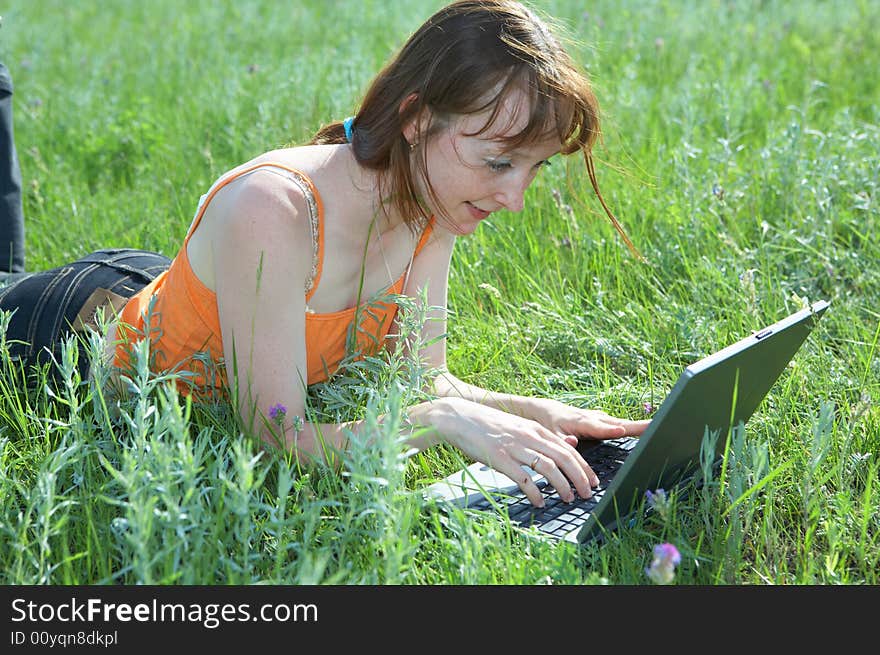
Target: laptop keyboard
(558, 518)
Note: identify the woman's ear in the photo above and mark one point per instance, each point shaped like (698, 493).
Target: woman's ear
(415, 119)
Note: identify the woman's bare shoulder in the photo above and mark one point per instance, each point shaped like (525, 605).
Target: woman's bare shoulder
(313, 161)
(262, 211)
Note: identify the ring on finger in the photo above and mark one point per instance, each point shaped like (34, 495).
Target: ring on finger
(534, 462)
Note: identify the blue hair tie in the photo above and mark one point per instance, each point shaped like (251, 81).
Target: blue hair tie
(346, 124)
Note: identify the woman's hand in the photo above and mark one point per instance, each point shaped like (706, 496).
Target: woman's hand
(505, 442)
(572, 423)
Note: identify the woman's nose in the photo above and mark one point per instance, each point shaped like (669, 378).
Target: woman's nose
(512, 193)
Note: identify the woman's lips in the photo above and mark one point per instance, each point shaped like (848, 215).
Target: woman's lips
(476, 212)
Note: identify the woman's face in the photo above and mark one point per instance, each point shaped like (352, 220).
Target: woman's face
(473, 176)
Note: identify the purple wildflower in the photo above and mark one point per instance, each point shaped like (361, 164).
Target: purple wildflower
(662, 569)
(277, 413)
(648, 408)
(659, 502)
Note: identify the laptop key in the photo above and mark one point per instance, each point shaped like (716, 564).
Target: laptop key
(552, 526)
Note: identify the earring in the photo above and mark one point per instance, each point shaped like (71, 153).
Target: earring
(412, 146)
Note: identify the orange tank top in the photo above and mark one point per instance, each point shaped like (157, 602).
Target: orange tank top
(179, 314)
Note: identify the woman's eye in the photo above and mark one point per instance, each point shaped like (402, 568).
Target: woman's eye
(498, 165)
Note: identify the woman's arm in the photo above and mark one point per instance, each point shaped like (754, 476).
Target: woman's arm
(260, 256)
(430, 275)
(502, 430)
(572, 423)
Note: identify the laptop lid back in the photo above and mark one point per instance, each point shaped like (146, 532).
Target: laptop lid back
(715, 394)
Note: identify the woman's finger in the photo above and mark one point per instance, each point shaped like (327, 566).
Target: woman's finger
(523, 479)
(563, 467)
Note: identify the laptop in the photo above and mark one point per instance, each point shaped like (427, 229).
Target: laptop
(714, 395)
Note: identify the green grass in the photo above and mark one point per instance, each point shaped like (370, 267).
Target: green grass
(739, 151)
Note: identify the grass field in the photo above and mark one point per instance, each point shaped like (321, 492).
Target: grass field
(740, 151)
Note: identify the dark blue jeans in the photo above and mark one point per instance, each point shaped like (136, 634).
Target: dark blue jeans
(52, 304)
(11, 216)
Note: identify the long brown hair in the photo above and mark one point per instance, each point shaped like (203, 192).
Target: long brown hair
(447, 66)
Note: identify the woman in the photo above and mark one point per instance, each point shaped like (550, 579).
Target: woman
(284, 248)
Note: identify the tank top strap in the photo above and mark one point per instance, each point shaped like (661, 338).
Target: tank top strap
(426, 234)
(313, 200)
